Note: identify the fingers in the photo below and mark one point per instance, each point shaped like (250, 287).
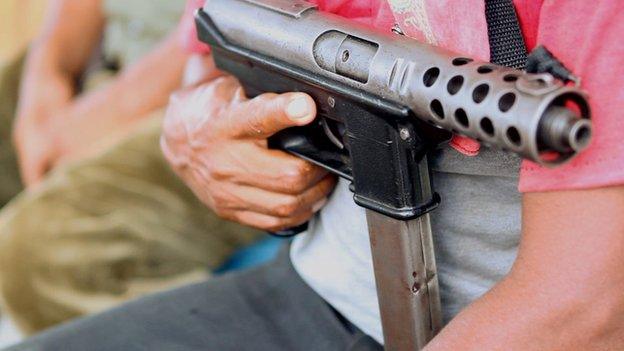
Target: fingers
(290, 213)
(268, 114)
(270, 211)
(270, 223)
(216, 140)
(34, 154)
(276, 204)
(283, 173)
(249, 164)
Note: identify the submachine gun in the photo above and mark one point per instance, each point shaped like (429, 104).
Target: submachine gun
(384, 101)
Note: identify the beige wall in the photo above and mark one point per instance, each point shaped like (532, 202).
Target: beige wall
(19, 21)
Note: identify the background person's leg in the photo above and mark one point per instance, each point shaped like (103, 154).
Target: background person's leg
(267, 308)
(101, 231)
(10, 184)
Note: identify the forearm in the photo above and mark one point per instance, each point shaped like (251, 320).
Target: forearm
(45, 88)
(565, 289)
(130, 97)
(517, 315)
(58, 55)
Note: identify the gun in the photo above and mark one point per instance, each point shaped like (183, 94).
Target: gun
(384, 102)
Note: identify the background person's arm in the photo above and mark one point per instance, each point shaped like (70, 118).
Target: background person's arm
(566, 289)
(56, 58)
(55, 126)
(116, 108)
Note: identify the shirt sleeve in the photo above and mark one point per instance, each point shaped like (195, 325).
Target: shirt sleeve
(188, 31)
(587, 37)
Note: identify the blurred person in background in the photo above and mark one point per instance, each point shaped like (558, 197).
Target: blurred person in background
(103, 219)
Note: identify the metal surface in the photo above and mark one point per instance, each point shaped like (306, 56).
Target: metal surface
(406, 277)
(293, 8)
(499, 106)
(407, 283)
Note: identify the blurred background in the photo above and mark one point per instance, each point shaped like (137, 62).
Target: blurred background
(19, 21)
(87, 240)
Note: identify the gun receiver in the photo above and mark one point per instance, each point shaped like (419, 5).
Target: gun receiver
(384, 101)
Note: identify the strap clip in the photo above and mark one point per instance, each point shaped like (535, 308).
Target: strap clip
(541, 60)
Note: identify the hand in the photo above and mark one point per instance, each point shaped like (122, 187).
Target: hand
(34, 133)
(35, 149)
(47, 140)
(215, 139)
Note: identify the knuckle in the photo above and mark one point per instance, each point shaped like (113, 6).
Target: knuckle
(223, 81)
(328, 184)
(274, 225)
(296, 178)
(224, 209)
(216, 170)
(259, 104)
(294, 183)
(289, 207)
(255, 124)
(218, 173)
(222, 202)
(221, 212)
(265, 98)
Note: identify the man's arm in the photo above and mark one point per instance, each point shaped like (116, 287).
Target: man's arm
(115, 109)
(56, 58)
(566, 289)
(53, 125)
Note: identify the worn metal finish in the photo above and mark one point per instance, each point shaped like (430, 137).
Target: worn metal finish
(407, 285)
(293, 8)
(499, 106)
(406, 279)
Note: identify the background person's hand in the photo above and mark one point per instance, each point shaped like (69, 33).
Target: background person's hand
(35, 132)
(216, 140)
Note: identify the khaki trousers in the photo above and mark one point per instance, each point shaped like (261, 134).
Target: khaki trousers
(101, 231)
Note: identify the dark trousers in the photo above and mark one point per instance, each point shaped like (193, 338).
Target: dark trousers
(266, 308)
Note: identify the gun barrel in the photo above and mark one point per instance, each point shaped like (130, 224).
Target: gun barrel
(562, 130)
(533, 115)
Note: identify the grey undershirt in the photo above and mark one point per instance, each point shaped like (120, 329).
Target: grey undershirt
(476, 232)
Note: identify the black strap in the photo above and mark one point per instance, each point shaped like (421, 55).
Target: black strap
(507, 46)
(543, 61)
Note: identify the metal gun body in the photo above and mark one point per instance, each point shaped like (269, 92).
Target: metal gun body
(384, 101)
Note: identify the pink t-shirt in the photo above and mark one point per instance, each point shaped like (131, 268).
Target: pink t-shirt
(584, 35)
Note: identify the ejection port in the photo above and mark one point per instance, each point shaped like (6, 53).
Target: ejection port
(345, 55)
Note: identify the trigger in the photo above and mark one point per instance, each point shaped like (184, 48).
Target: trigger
(331, 134)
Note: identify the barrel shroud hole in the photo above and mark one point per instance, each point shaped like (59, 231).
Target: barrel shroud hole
(513, 135)
(485, 69)
(431, 76)
(487, 127)
(510, 78)
(506, 102)
(455, 84)
(462, 118)
(460, 61)
(480, 93)
(437, 109)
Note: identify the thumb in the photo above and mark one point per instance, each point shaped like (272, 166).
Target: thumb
(268, 114)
